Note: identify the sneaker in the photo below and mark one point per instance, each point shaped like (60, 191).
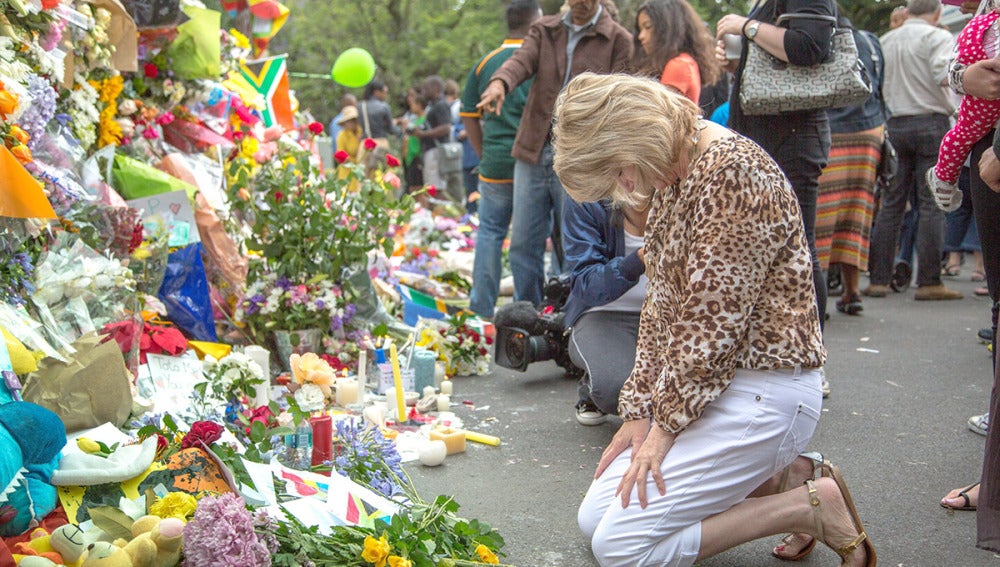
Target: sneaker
(902, 274)
(986, 335)
(936, 292)
(875, 290)
(979, 423)
(588, 414)
(947, 196)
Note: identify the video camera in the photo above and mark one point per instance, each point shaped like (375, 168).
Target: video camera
(526, 334)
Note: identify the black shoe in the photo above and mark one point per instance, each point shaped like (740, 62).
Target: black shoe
(986, 335)
(902, 275)
(834, 280)
(850, 305)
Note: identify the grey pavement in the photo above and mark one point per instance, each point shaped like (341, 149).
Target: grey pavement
(905, 377)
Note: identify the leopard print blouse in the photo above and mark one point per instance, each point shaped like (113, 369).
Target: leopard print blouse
(730, 285)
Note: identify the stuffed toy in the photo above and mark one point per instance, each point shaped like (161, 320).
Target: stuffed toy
(155, 543)
(65, 547)
(31, 438)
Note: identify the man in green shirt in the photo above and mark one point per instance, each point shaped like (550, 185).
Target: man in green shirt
(492, 136)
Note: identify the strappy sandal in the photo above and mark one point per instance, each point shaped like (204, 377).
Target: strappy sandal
(965, 496)
(821, 467)
(861, 540)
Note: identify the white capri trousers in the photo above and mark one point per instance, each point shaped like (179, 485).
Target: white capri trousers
(756, 428)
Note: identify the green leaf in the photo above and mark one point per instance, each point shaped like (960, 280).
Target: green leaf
(169, 423)
(113, 521)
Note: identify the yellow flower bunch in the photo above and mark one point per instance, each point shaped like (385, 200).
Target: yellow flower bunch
(486, 555)
(108, 129)
(376, 551)
(180, 505)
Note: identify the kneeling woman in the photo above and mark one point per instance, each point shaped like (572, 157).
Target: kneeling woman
(726, 388)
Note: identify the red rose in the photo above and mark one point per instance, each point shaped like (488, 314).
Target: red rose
(391, 160)
(432, 190)
(316, 128)
(369, 144)
(341, 156)
(207, 432)
(150, 71)
(415, 251)
(278, 195)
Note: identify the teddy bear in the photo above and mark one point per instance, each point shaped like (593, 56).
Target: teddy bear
(155, 543)
(31, 438)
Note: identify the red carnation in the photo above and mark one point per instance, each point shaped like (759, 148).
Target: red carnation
(341, 156)
(207, 432)
(316, 128)
(432, 190)
(150, 70)
(369, 144)
(278, 195)
(391, 160)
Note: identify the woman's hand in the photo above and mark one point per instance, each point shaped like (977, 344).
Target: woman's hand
(630, 434)
(647, 460)
(989, 170)
(982, 79)
(730, 23)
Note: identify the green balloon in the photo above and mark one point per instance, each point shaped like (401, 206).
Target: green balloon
(354, 68)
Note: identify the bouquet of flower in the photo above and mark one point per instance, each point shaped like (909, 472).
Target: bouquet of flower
(277, 303)
(462, 348)
(365, 456)
(234, 377)
(314, 379)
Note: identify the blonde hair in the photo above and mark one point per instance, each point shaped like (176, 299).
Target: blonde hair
(605, 123)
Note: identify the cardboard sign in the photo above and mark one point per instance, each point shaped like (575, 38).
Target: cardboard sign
(173, 379)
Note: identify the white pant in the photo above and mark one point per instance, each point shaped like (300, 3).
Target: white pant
(753, 430)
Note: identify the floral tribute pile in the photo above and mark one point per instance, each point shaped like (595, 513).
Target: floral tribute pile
(190, 298)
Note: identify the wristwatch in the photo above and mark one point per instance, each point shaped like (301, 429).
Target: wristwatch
(750, 29)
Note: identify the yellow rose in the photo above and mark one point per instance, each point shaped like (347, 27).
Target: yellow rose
(397, 561)
(309, 368)
(180, 505)
(376, 550)
(485, 555)
(88, 446)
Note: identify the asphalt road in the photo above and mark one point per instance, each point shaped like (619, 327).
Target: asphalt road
(905, 375)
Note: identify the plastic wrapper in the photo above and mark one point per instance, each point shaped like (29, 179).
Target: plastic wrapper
(135, 179)
(104, 227)
(78, 291)
(196, 52)
(148, 262)
(370, 311)
(55, 161)
(185, 293)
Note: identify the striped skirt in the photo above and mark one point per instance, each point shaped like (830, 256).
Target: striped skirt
(846, 201)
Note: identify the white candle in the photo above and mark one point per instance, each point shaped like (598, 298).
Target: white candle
(260, 355)
(447, 387)
(428, 391)
(439, 373)
(362, 370)
(375, 414)
(444, 402)
(347, 392)
(390, 402)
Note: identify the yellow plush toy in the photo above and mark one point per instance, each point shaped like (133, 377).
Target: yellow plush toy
(155, 543)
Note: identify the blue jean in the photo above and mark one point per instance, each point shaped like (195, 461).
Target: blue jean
(538, 198)
(495, 205)
(916, 139)
(960, 225)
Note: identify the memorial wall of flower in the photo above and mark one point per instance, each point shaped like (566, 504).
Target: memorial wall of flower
(200, 352)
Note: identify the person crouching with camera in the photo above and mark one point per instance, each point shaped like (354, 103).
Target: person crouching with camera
(725, 391)
(603, 248)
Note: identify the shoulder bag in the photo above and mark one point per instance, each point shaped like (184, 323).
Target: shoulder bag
(450, 160)
(772, 86)
(380, 142)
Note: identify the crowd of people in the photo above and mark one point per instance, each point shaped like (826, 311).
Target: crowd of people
(698, 238)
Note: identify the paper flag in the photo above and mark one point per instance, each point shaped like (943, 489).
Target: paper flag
(269, 77)
(268, 17)
(21, 195)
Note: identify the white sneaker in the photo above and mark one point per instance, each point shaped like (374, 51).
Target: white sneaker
(979, 423)
(588, 414)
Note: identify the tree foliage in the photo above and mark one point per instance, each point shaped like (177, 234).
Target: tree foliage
(411, 39)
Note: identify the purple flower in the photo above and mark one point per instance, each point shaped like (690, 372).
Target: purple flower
(41, 111)
(222, 534)
(336, 322)
(283, 282)
(320, 304)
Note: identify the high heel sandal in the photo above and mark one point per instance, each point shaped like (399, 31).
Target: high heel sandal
(821, 467)
(861, 540)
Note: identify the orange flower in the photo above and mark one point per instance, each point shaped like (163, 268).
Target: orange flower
(8, 101)
(22, 153)
(19, 134)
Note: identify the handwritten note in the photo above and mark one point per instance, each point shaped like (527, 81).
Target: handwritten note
(174, 211)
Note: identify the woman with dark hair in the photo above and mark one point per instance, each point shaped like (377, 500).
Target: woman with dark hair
(673, 45)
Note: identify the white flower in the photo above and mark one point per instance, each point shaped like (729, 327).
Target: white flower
(310, 397)
(284, 419)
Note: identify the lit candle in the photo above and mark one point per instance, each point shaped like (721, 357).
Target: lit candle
(447, 387)
(397, 380)
(444, 402)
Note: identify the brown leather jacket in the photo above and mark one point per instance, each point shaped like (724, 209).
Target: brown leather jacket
(606, 48)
